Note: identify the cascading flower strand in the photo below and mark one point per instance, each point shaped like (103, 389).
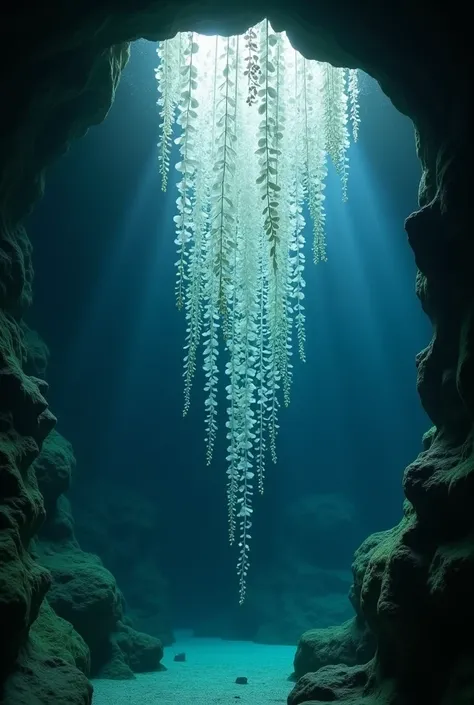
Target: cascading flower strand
(257, 125)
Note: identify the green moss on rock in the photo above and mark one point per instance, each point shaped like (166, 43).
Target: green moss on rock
(52, 666)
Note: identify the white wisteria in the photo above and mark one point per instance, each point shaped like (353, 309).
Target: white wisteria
(256, 124)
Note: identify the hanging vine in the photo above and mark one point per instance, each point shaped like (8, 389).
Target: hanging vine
(257, 124)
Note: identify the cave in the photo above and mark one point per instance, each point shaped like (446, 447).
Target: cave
(413, 587)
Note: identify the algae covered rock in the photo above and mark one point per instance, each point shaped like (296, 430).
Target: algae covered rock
(52, 666)
(85, 593)
(131, 652)
(349, 643)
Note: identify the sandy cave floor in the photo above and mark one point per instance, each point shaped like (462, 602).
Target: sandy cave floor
(208, 676)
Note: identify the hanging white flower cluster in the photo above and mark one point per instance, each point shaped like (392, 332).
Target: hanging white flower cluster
(256, 124)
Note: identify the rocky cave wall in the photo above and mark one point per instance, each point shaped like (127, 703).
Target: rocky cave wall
(60, 69)
(83, 592)
(81, 628)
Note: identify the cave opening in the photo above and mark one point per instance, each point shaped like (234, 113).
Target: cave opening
(118, 257)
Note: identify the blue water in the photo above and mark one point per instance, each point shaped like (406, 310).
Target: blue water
(143, 497)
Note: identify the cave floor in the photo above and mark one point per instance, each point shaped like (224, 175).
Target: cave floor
(207, 676)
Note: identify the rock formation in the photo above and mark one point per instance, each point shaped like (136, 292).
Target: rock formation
(83, 591)
(80, 629)
(350, 643)
(122, 527)
(60, 69)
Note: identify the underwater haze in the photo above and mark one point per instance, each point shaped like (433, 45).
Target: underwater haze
(143, 498)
